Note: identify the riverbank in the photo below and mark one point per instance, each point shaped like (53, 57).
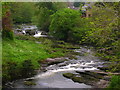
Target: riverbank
(111, 54)
(24, 55)
(52, 75)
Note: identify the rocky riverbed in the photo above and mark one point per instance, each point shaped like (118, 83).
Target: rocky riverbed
(82, 71)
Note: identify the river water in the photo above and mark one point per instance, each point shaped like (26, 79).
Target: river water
(23, 29)
(53, 78)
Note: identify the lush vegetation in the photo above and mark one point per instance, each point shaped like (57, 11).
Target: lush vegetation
(104, 33)
(23, 55)
(43, 12)
(78, 4)
(66, 24)
(101, 30)
(115, 83)
(7, 31)
(22, 12)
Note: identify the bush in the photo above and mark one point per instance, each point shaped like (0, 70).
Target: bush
(7, 35)
(10, 71)
(104, 23)
(42, 15)
(22, 12)
(27, 68)
(43, 19)
(67, 25)
(115, 82)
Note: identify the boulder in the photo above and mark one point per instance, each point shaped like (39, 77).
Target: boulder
(68, 75)
(44, 33)
(81, 79)
(91, 74)
(30, 32)
(104, 68)
(29, 83)
(52, 61)
(78, 79)
(107, 78)
(101, 84)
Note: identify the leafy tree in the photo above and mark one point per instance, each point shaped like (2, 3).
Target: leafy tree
(48, 5)
(42, 18)
(67, 25)
(78, 4)
(102, 22)
(6, 21)
(22, 12)
(104, 32)
(0, 10)
(60, 5)
(45, 9)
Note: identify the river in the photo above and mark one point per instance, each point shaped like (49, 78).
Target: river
(31, 30)
(53, 78)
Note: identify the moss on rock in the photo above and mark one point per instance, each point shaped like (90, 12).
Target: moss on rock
(68, 75)
(29, 83)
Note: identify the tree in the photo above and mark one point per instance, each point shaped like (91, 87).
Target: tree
(66, 24)
(103, 22)
(22, 12)
(0, 10)
(45, 9)
(104, 32)
(42, 18)
(78, 4)
(6, 21)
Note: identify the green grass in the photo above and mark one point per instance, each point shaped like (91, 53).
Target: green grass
(25, 48)
(20, 50)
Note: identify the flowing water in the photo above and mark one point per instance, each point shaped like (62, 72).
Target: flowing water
(22, 29)
(53, 77)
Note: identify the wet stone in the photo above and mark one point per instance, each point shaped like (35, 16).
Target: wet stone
(29, 83)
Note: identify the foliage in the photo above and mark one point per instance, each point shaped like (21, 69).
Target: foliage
(115, 83)
(60, 5)
(22, 12)
(6, 22)
(78, 4)
(67, 25)
(44, 19)
(5, 7)
(42, 16)
(23, 55)
(104, 33)
(27, 68)
(7, 35)
(45, 9)
(102, 26)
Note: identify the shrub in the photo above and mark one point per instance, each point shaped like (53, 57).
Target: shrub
(115, 82)
(27, 68)
(7, 35)
(10, 71)
(67, 25)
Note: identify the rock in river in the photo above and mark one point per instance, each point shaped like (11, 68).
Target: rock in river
(87, 77)
(51, 61)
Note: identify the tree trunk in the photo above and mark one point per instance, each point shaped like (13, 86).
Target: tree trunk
(7, 24)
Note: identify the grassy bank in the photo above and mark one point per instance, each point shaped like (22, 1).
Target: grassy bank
(23, 55)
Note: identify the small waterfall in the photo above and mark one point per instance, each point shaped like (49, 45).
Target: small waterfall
(31, 29)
